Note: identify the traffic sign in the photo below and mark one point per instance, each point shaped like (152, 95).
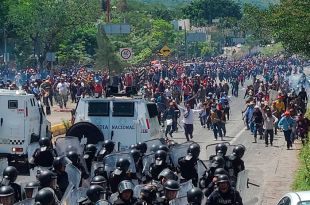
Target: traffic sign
(165, 51)
(126, 53)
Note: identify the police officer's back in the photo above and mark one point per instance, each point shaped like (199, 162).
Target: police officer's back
(59, 168)
(160, 163)
(44, 156)
(46, 196)
(194, 196)
(10, 175)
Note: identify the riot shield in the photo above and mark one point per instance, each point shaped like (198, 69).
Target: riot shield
(26, 202)
(94, 167)
(103, 202)
(242, 182)
(66, 197)
(65, 144)
(74, 175)
(31, 149)
(3, 164)
(179, 201)
(36, 171)
(149, 143)
(210, 149)
(147, 160)
(184, 188)
(201, 168)
(178, 151)
(111, 159)
(113, 198)
(76, 194)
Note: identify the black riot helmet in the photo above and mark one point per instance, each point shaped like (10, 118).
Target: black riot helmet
(194, 195)
(123, 164)
(135, 154)
(172, 185)
(99, 180)
(59, 163)
(7, 195)
(46, 177)
(222, 147)
(125, 185)
(219, 171)
(73, 156)
(154, 148)
(239, 150)
(44, 142)
(108, 146)
(161, 155)
(222, 178)
(91, 149)
(148, 193)
(45, 196)
(194, 150)
(133, 146)
(30, 188)
(10, 173)
(163, 147)
(218, 162)
(168, 174)
(94, 193)
(142, 147)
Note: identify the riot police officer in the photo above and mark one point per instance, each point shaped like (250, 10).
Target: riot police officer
(46, 196)
(163, 147)
(7, 195)
(194, 196)
(99, 180)
(142, 147)
(48, 179)
(136, 155)
(107, 148)
(207, 178)
(94, 194)
(224, 194)
(125, 197)
(160, 163)
(121, 173)
(163, 177)
(89, 155)
(44, 156)
(235, 163)
(220, 150)
(188, 163)
(10, 174)
(171, 189)
(75, 159)
(209, 188)
(147, 195)
(59, 168)
(31, 188)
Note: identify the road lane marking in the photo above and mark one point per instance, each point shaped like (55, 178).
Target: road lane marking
(237, 136)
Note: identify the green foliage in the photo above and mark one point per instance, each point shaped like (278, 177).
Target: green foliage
(203, 11)
(291, 25)
(272, 50)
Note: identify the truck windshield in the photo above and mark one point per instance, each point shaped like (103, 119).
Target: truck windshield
(123, 109)
(98, 109)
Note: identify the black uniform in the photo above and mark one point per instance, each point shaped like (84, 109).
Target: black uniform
(188, 169)
(44, 158)
(62, 180)
(162, 201)
(155, 170)
(17, 191)
(116, 179)
(232, 197)
(132, 201)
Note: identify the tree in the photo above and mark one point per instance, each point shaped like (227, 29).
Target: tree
(291, 25)
(201, 11)
(48, 22)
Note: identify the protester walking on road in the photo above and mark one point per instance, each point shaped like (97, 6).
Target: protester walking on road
(269, 124)
(287, 123)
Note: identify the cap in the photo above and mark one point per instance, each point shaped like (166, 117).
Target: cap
(287, 113)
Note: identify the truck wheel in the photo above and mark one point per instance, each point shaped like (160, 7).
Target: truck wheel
(88, 130)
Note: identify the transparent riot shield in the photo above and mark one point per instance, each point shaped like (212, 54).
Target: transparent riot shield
(103, 202)
(178, 151)
(66, 197)
(149, 143)
(147, 160)
(74, 175)
(184, 188)
(65, 144)
(26, 202)
(113, 198)
(76, 194)
(111, 159)
(137, 190)
(179, 201)
(94, 167)
(242, 182)
(31, 149)
(3, 164)
(201, 168)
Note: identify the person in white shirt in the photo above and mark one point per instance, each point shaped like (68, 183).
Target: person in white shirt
(63, 90)
(269, 124)
(188, 120)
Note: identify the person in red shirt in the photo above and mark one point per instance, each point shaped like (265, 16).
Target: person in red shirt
(98, 89)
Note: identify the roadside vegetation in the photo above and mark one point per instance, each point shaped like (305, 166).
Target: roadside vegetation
(302, 177)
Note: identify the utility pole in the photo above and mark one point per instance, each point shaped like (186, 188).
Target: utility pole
(5, 55)
(185, 39)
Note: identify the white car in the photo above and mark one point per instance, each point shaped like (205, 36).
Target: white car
(296, 198)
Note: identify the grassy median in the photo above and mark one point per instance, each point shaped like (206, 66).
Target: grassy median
(302, 177)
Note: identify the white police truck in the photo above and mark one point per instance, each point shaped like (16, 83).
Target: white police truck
(22, 121)
(124, 120)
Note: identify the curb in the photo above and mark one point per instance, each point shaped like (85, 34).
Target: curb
(59, 129)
